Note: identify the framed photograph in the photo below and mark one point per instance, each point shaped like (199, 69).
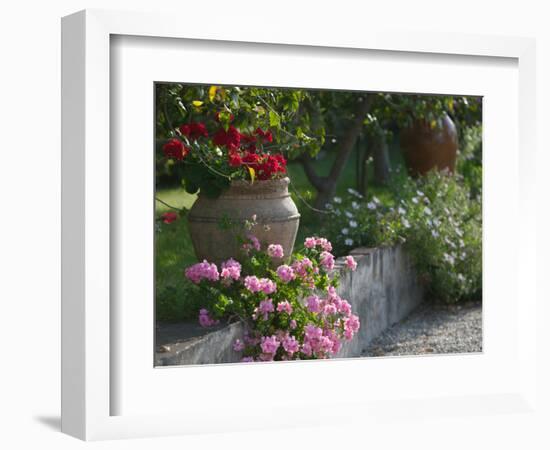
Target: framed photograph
(278, 212)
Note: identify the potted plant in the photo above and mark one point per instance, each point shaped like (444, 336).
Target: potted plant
(236, 174)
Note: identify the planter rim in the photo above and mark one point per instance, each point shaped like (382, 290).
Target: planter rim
(278, 187)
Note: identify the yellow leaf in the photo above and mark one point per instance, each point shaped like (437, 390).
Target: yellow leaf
(212, 93)
(252, 173)
(433, 124)
(197, 103)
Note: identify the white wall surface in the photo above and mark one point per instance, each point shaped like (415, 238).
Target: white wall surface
(30, 194)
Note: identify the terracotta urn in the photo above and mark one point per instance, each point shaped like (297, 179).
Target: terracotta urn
(425, 148)
(215, 224)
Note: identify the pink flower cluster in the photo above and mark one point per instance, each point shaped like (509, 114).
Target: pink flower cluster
(253, 243)
(327, 260)
(205, 320)
(320, 342)
(284, 306)
(238, 345)
(255, 284)
(285, 273)
(312, 242)
(302, 267)
(275, 251)
(202, 271)
(231, 270)
(266, 307)
(351, 326)
(351, 263)
(269, 344)
(292, 319)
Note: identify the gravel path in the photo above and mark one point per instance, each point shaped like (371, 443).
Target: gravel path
(432, 329)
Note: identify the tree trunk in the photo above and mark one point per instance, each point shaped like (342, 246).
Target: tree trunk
(362, 180)
(326, 186)
(381, 158)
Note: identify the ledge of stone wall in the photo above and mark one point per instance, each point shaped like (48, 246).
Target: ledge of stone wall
(382, 291)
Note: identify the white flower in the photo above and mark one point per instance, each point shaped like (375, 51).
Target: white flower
(458, 231)
(461, 243)
(353, 224)
(437, 222)
(375, 200)
(338, 212)
(420, 193)
(435, 234)
(354, 192)
(345, 231)
(355, 205)
(427, 211)
(349, 242)
(405, 222)
(450, 243)
(415, 200)
(371, 205)
(430, 223)
(348, 214)
(337, 200)
(461, 278)
(450, 259)
(328, 206)
(333, 140)
(401, 211)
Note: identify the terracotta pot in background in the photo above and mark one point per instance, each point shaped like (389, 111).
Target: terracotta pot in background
(425, 148)
(269, 200)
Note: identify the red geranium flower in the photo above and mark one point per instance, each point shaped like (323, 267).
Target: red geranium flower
(267, 136)
(174, 148)
(230, 138)
(194, 130)
(169, 217)
(235, 159)
(251, 159)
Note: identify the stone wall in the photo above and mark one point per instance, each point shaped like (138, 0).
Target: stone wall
(382, 291)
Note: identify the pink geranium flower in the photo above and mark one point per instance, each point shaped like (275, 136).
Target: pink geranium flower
(285, 273)
(269, 344)
(351, 263)
(275, 251)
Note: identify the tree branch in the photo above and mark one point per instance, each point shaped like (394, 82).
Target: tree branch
(351, 136)
(316, 181)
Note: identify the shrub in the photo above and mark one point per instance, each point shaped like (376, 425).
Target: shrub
(437, 220)
(290, 310)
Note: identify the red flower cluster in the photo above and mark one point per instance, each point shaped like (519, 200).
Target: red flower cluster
(264, 165)
(194, 130)
(169, 217)
(267, 136)
(174, 148)
(242, 148)
(230, 138)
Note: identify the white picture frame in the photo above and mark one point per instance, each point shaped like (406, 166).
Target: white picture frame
(87, 328)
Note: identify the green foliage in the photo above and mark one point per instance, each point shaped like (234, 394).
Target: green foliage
(437, 220)
(469, 163)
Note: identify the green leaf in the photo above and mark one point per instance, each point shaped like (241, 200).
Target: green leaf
(274, 119)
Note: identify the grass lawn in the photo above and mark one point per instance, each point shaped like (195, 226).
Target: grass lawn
(174, 251)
